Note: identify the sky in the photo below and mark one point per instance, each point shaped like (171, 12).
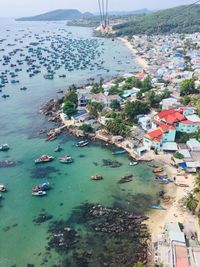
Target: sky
(17, 8)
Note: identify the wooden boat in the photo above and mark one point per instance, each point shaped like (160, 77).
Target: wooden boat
(96, 177)
(39, 193)
(181, 185)
(58, 149)
(4, 147)
(157, 170)
(41, 187)
(2, 188)
(66, 159)
(82, 143)
(44, 159)
(163, 182)
(119, 152)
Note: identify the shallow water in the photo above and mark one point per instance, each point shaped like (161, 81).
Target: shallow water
(21, 241)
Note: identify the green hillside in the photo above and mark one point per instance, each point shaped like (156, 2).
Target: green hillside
(182, 19)
(60, 14)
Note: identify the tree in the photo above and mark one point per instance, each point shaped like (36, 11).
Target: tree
(181, 137)
(115, 105)
(138, 264)
(132, 109)
(94, 108)
(86, 128)
(187, 87)
(191, 202)
(71, 96)
(178, 155)
(69, 108)
(139, 95)
(117, 126)
(146, 84)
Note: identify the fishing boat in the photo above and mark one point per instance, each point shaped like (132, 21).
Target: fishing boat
(82, 143)
(133, 163)
(66, 159)
(4, 147)
(44, 159)
(2, 188)
(181, 185)
(23, 88)
(39, 193)
(157, 170)
(126, 179)
(119, 152)
(50, 137)
(58, 149)
(96, 177)
(157, 207)
(41, 187)
(164, 179)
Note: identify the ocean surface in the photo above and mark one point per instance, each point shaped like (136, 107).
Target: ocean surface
(22, 241)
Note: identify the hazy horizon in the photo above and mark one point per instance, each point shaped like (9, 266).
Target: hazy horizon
(13, 8)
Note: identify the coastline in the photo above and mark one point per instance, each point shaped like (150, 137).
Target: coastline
(139, 60)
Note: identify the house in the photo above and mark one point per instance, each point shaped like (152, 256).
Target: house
(193, 145)
(170, 103)
(82, 101)
(103, 98)
(144, 122)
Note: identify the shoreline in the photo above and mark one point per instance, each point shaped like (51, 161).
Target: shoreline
(138, 59)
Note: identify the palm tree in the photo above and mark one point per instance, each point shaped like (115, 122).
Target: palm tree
(191, 202)
(197, 192)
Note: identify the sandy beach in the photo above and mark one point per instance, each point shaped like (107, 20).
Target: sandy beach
(175, 212)
(141, 61)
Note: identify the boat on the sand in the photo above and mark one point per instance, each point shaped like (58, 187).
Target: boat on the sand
(44, 159)
(39, 193)
(157, 207)
(181, 185)
(157, 170)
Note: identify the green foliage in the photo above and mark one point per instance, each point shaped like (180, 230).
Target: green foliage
(146, 84)
(187, 87)
(181, 137)
(139, 95)
(97, 88)
(132, 109)
(138, 264)
(71, 96)
(94, 108)
(154, 99)
(86, 128)
(115, 105)
(117, 126)
(114, 90)
(191, 202)
(69, 108)
(174, 20)
(178, 155)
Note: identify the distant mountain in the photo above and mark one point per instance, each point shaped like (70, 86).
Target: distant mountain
(134, 12)
(59, 14)
(181, 19)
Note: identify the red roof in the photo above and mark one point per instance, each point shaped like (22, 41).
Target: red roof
(171, 116)
(190, 122)
(181, 256)
(155, 135)
(163, 126)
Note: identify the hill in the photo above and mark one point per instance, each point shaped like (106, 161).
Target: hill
(59, 14)
(126, 13)
(181, 19)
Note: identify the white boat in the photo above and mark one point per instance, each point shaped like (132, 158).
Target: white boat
(133, 163)
(4, 147)
(39, 193)
(2, 188)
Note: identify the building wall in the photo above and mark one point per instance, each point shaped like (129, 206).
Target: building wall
(187, 128)
(148, 144)
(169, 136)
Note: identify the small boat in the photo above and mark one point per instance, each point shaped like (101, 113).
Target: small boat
(2, 188)
(157, 170)
(96, 177)
(164, 179)
(39, 193)
(50, 137)
(58, 149)
(42, 187)
(23, 88)
(181, 185)
(163, 182)
(4, 147)
(44, 159)
(157, 207)
(126, 179)
(66, 159)
(119, 152)
(82, 143)
(133, 163)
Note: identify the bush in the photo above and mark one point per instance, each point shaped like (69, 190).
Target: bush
(178, 155)
(182, 137)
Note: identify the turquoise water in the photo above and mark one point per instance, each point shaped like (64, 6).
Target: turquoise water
(21, 241)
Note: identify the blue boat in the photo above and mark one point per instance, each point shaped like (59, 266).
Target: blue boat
(157, 207)
(119, 152)
(164, 179)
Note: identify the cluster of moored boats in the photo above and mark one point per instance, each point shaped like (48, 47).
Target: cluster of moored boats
(50, 56)
(40, 190)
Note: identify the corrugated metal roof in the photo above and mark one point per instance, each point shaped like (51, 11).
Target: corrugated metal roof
(181, 256)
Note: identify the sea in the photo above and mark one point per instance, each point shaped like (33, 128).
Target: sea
(22, 241)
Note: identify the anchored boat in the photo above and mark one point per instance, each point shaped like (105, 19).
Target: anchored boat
(4, 147)
(66, 159)
(44, 159)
